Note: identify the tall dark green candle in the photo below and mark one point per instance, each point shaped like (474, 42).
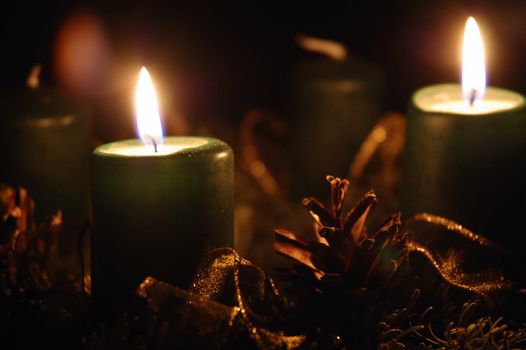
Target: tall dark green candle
(44, 147)
(336, 104)
(157, 213)
(468, 163)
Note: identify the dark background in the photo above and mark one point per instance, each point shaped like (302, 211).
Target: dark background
(221, 58)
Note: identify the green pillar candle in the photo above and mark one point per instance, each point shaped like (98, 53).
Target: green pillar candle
(157, 213)
(336, 104)
(467, 163)
(465, 151)
(158, 205)
(44, 146)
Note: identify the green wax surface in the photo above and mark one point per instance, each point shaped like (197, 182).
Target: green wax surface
(468, 168)
(45, 148)
(336, 104)
(157, 214)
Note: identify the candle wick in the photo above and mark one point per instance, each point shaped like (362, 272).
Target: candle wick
(154, 143)
(471, 97)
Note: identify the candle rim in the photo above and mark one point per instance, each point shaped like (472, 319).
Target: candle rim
(318, 67)
(43, 106)
(210, 144)
(521, 100)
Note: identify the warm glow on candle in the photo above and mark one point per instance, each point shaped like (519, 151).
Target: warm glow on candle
(474, 98)
(148, 119)
(473, 67)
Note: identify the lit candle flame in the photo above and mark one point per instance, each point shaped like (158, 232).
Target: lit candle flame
(473, 67)
(148, 119)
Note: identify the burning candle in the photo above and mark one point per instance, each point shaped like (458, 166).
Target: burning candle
(158, 204)
(466, 149)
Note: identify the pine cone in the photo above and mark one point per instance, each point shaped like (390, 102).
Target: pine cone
(344, 254)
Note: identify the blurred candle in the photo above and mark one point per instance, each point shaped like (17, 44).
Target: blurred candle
(336, 100)
(158, 204)
(466, 149)
(45, 148)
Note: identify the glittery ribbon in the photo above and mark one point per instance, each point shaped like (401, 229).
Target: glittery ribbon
(228, 294)
(465, 259)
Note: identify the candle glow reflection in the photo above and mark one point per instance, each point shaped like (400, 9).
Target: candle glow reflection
(152, 141)
(473, 98)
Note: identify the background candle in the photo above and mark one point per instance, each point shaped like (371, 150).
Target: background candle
(467, 164)
(44, 146)
(337, 100)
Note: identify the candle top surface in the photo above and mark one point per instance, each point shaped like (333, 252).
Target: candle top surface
(449, 99)
(172, 145)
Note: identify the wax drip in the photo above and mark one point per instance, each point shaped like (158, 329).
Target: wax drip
(471, 97)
